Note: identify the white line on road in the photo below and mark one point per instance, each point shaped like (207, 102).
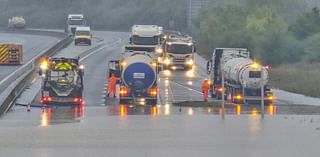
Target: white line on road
(199, 92)
(101, 48)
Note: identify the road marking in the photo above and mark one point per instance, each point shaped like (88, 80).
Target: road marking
(173, 97)
(101, 48)
(181, 85)
(158, 96)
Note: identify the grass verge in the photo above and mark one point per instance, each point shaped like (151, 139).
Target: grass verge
(302, 78)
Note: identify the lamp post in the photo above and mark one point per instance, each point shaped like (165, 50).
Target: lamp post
(222, 93)
(262, 93)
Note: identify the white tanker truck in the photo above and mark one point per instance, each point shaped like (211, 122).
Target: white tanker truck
(138, 78)
(244, 78)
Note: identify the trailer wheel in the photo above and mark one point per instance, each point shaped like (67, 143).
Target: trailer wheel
(213, 95)
(219, 96)
(153, 102)
(124, 101)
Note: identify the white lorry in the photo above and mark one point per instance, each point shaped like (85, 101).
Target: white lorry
(179, 52)
(243, 77)
(147, 38)
(74, 21)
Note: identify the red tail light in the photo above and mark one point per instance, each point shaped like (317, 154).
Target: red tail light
(124, 91)
(219, 89)
(77, 100)
(153, 92)
(45, 100)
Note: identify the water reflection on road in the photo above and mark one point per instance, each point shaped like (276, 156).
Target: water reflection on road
(167, 110)
(60, 115)
(74, 114)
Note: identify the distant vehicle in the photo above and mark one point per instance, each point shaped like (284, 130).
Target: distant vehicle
(62, 82)
(74, 21)
(83, 36)
(147, 38)
(138, 77)
(179, 52)
(17, 22)
(244, 78)
(11, 53)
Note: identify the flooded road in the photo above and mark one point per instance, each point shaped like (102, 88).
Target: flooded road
(151, 131)
(102, 127)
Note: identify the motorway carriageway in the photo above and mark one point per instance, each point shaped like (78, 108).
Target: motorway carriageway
(104, 128)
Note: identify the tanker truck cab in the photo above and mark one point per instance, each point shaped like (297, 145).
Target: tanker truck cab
(74, 21)
(83, 36)
(244, 78)
(148, 37)
(114, 68)
(62, 81)
(179, 52)
(138, 78)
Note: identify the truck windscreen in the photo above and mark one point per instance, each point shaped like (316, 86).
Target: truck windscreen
(146, 40)
(76, 22)
(179, 49)
(82, 33)
(61, 76)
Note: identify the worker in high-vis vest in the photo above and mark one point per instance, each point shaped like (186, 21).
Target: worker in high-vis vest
(205, 89)
(112, 83)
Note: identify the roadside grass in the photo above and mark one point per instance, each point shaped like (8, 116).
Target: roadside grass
(301, 78)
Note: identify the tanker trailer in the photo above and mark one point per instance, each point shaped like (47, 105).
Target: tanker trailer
(244, 78)
(138, 78)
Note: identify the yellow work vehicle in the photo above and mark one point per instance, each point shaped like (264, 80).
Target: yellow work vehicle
(11, 53)
(82, 36)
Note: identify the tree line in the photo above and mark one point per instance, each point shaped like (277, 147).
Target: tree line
(276, 32)
(100, 14)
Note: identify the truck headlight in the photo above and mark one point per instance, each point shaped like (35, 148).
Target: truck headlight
(44, 65)
(166, 61)
(190, 62)
(159, 51)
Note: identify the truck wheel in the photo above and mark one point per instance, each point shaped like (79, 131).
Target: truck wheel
(213, 95)
(89, 43)
(267, 102)
(153, 102)
(218, 96)
(123, 102)
(75, 43)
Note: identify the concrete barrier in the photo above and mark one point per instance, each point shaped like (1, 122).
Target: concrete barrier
(13, 86)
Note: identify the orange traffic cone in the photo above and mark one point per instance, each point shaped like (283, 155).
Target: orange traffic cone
(28, 108)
